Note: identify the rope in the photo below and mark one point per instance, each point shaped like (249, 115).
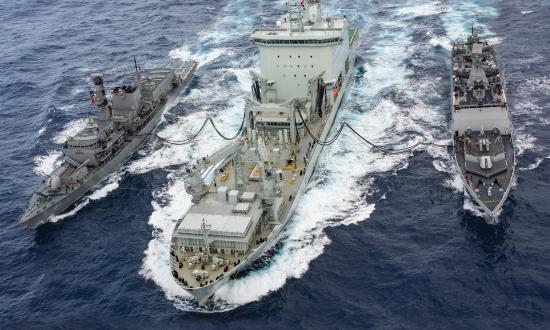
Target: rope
(194, 136)
(380, 148)
(323, 143)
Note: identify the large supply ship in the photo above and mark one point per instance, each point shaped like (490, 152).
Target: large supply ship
(481, 127)
(245, 193)
(123, 122)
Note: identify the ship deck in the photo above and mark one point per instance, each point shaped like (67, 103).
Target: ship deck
(293, 176)
(489, 184)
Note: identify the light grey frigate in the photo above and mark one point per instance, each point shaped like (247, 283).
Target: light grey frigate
(123, 122)
(481, 126)
(245, 193)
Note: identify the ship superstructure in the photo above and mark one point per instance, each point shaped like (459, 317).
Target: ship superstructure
(482, 131)
(122, 123)
(245, 193)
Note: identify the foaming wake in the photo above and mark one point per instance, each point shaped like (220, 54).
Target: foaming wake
(69, 129)
(415, 9)
(370, 106)
(45, 164)
(221, 87)
(528, 113)
(535, 165)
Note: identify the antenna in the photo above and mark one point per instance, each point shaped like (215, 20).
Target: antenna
(135, 64)
(472, 27)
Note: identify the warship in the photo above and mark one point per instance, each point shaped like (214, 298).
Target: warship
(483, 145)
(244, 194)
(122, 123)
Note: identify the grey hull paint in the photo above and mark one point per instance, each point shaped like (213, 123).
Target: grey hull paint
(204, 293)
(101, 173)
(492, 214)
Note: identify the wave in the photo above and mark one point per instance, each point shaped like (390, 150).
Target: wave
(69, 129)
(45, 164)
(535, 165)
(424, 9)
(459, 17)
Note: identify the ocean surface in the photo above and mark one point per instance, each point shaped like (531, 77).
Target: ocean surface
(378, 241)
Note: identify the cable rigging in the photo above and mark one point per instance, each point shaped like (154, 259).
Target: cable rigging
(194, 136)
(377, 147)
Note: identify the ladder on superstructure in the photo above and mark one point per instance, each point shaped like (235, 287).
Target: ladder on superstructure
(295, 15)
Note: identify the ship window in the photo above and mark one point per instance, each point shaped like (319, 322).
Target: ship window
(290, 56)
(298, 56)
(312, 65)
(304, 76)
(310, 56)
(294, 76)
(298, 65)
(278, 56)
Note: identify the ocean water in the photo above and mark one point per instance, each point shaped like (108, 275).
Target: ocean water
(388, 242)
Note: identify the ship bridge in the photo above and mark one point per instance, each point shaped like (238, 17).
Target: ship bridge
(303, 45)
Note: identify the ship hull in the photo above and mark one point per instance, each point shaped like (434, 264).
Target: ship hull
(204, 293)
(97, 175)
(491, 212)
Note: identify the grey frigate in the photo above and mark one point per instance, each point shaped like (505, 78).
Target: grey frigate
(123, 122)
(481, 126)
(245, 193)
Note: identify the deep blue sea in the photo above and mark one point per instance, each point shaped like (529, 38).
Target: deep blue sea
(379, 241)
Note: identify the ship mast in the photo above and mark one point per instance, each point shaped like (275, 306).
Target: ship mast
(296, 10)
(205, 228)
